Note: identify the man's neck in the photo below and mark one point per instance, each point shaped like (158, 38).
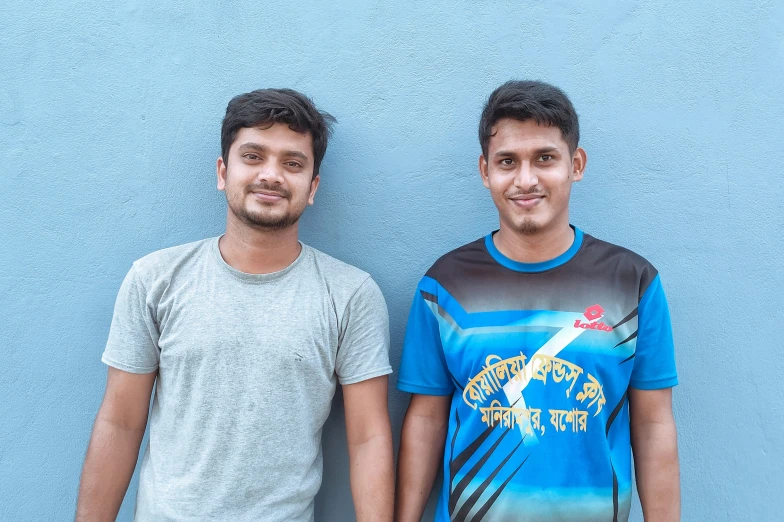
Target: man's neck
(256, 251)
(534, 248)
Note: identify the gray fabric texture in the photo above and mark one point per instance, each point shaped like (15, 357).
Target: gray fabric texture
(247, 368)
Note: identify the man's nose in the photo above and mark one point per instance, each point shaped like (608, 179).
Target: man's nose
(526, 177)
(271, 172)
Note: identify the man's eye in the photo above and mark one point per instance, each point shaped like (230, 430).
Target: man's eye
(252, 157)
(545, 157)
(506, 162)
(293, 164)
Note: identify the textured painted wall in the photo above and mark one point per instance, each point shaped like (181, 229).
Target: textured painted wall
(109, 128)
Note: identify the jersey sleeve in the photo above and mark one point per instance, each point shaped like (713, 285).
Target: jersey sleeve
(363, 347)
(654, 362)
(133, 337)
(423, 369)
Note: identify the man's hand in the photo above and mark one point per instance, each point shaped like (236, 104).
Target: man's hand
(114, 445)
(655, 444)
(370, 449)
(421, 454)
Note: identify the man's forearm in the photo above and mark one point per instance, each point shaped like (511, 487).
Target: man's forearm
(421, 452)
(373, 479)
(657, 470)
(108, 468)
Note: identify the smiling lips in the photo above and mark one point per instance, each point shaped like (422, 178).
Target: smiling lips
(268, 195)
(527, 201)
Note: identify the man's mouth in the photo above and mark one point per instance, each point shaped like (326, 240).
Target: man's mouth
(527, 201)
(268, 195)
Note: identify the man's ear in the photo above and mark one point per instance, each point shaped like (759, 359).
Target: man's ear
(220, 169)
(313, 188)
(483, 171)
(579, 160)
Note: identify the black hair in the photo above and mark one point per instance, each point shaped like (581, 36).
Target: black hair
(265, 107)
(530, 100)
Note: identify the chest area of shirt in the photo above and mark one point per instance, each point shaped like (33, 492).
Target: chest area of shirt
(533, 364)
(604, 328)
(213, 325)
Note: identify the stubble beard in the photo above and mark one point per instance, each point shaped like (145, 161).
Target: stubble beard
(261, 220)
(528, 227)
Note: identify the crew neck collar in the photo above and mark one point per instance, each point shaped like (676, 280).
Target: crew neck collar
(519, 266)
(255, 278)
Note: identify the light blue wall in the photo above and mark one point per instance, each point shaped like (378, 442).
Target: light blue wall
(109, 129)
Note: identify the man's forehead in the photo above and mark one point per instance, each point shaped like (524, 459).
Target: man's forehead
(275, 136)
(510, 133)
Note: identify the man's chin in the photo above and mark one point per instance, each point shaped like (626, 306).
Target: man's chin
(528, 227)
(267, 222)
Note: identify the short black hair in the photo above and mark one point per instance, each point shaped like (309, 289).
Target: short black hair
(265, 107)
(530, 100)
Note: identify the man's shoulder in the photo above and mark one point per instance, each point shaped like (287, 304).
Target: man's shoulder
(617, 261)
(337, 274)
(606, 250)
(458, 259)
(168, 260)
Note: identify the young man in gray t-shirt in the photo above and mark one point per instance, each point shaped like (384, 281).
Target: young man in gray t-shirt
(246, 336)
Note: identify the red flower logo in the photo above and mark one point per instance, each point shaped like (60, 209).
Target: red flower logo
(593, 312)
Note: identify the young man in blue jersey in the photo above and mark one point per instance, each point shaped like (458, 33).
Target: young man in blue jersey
(538, 356)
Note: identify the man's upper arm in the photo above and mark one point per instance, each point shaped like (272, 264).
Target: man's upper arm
(654, 362)
(650, 406)
(132, 345)
(132, 356)
(423, 368)
(434, 408)
(127, 399)
(365, 403)
(363, 350)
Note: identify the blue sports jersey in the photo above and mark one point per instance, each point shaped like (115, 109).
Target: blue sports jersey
(538, 358)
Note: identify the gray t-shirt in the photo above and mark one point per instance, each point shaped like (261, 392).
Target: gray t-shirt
(247, 370)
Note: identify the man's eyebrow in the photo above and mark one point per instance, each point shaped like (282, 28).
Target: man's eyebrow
(253, 146)
(542, 150)
(264, 149)
(296, 154)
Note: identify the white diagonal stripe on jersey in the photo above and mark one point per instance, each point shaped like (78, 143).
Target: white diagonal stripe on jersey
(514, 388)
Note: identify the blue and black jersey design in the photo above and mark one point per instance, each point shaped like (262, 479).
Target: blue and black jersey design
(538, 359)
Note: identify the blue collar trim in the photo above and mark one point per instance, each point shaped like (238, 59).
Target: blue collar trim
(534, 267)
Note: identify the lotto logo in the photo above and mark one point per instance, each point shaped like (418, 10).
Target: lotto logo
(592, 313)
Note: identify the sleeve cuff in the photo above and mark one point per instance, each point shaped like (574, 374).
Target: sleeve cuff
(364, 376)
(423, 390)
(128, 367)
(656, 384)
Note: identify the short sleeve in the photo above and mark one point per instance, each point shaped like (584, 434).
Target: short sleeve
(423, 368)
(363, 349)
(654, 361)
(133, 338)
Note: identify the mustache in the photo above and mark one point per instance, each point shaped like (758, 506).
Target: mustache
(257, 187)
